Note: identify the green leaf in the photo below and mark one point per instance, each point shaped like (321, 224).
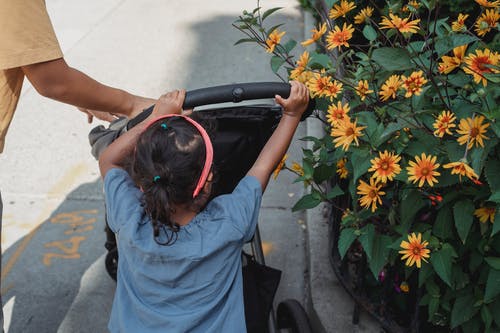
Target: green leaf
(360, 161)
(486, 316)
(492, 286)
(276, 63)
(319, 59)
(269, 12)
(335, 192)
(392, 59)
(347, 236)
(423, 274)
(495, 197)
(323, 172)
(496, 223)
(463, 310)
(330, 3)
(443, 226)
(491, 171)
(290, 45)
(245, 40)
(442, 263)
(306, 202)
(380, 253)
(369, 33)
(494, 262)
(366, 239)
(411, 203)
(433, 306)
(463, 214)
(445, 44)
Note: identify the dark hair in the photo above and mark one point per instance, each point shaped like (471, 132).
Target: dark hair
(167, 164)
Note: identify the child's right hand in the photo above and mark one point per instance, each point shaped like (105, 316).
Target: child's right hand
(169, 103)
(296, 103)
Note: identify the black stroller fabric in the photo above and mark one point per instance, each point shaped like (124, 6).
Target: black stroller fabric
(241, 133)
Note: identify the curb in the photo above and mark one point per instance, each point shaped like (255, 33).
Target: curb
(330, 307)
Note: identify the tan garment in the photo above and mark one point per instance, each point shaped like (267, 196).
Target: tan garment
(26, 37)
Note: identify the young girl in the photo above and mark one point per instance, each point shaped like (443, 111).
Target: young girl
(180, 255)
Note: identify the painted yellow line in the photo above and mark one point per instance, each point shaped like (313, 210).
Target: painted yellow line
(62, 186)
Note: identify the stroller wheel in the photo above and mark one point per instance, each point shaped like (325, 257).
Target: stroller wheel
(112, 263)
(291, 315)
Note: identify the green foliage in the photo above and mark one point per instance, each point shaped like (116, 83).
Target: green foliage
(404, 102)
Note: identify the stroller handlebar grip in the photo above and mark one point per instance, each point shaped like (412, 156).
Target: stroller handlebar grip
(235, 93)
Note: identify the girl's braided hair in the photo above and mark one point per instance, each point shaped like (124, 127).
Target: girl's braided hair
(167, 164)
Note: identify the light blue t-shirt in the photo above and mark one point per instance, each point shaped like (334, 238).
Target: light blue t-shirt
(193, 285)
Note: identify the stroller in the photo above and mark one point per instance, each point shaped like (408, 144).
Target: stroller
(242, 132)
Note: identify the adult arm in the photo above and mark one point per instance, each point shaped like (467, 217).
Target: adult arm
(278, 143)
(56, 80)
(123, 146)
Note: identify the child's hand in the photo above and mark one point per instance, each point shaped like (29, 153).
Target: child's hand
(169, 103)
(296, 103)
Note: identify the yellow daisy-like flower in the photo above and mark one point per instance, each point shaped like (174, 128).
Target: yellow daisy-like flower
(472, 131)
(444, 123)
(333, 89)
(385, 167)
(459, 24)
(487, 4)
(483, 62)
(304, 77)
(339, 37)
(279, 167)
(364, 15)
(274, 39)
(390, 87)
(485, 213)
(301, 66)
(337, 112)
(370, 194)
(401, 24)
(363, 89)
(404, 287)
(424, 169)
(448, 63)
(461, 168)
(413, 84)
(316, 34)
(340, 10)
(345, 132)
(318, 84)
(297, 168)
(341, 168)
(415, 250)
(487, 21)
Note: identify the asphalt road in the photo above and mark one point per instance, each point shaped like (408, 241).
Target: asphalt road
(53, 276)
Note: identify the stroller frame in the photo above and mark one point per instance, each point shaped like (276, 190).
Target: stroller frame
(290, 314)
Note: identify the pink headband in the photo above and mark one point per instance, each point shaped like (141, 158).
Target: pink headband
(208, 147)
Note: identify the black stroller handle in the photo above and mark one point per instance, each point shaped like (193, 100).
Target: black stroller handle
(235, 93)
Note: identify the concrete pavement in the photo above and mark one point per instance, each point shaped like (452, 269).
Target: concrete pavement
(53, 276)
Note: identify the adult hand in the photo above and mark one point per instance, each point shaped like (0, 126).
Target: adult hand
(101, 115)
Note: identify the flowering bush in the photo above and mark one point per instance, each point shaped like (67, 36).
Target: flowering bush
(408, 100)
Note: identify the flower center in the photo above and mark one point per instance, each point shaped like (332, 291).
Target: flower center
(416, 250)
(474, 132)
(349, 132)
(425, 171)
(384, 165)
(372, 194)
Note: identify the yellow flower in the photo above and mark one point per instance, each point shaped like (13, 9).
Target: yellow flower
(461, 168)
(341, 9)
(338, 37)
(423, 170)
(273, 40)
(301, 66)
(404, 287)
(414, 251)
(318, 84)
(341, 168)
(297, 168)
(279, 167)
(459, 24)
(370, 194)
(316, 34)
(485, 213)
(402, 25)
(448, 63)
(333, 89)
(363, 15)
(390, 87)
(472, 130)
(337, 112)
(486, 22)
(362, 89)
(481, 63)
(444, 123)
(413, 84)
(385, 167)
(487, 4)
(345, 132)
(304, 77)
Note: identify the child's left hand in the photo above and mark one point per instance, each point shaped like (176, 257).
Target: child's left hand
(169, 103)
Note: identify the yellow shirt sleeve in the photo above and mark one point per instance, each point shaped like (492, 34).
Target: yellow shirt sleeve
(26, 34)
